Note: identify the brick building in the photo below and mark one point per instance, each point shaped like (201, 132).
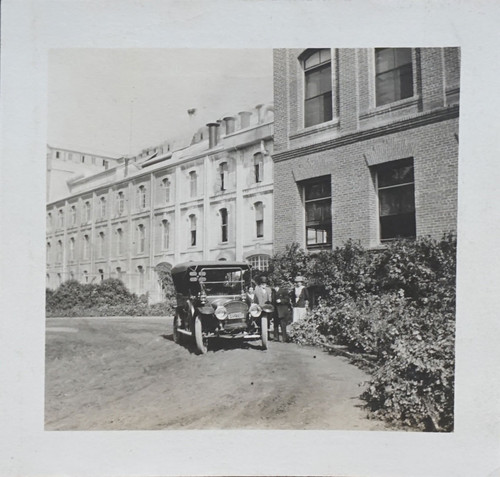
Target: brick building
(209, 199)
(365, 144)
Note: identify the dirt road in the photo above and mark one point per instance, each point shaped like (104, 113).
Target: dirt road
(127, 373)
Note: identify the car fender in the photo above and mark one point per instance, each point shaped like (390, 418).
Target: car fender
(267, 308)
(205, 310)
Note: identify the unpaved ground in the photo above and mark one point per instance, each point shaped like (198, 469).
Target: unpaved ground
(127, 373)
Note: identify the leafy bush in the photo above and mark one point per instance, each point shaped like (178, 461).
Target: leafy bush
(397, 305)
(110, 298)
(285, 266)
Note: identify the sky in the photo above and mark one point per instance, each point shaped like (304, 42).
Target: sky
(118, 101)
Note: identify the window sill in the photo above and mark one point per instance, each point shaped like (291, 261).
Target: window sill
(326, 126)
(391, 107)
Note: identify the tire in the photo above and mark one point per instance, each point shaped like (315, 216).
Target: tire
(198, 335)
(264, 331)
(177, 321)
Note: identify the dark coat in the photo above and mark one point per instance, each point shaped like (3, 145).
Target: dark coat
(281, 300)
(303, 297)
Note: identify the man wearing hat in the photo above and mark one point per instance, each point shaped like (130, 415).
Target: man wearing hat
(300, 299)
(263, 293)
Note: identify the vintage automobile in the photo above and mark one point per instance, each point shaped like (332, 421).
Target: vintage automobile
(211, 303)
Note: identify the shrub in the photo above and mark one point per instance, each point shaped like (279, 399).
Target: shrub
(285, 266)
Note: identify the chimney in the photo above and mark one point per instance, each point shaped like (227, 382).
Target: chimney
(212, 134)
(230, 124)
(259, 113)
(245, 119)
(219, 122)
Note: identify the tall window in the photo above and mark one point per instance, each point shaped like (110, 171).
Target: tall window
(166, 190)
(119, 241)
(318, 87)
(165, 235)
(59, 251)
(223, 224)
(88, 211)
(102, 207)
(72, 248)
(102, 244)
(73, 215)
(101, 274)
(193, 184)
(318, 209)
(192, 229)
(393, 74)
(259, 219)
(85, 276)
(258, 166)
(141, 243)
(85, 247)
(396, 194)
(223, 175)
(140, 269)
(48, 250)
(141, 197)
(120, 203)
(61, 219)
(49, 221)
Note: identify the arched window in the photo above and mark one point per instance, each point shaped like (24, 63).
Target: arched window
(258, 165)
(141, 197)
(166, 189)
(318, 107)
(88, 211)
(140, 269)
(192, 229)
(259, 262)
(48, 250)
(120, 203)
(72, 248)
(59, 251)
(86, 247)
(59, 279)
(73, 215)
(61, 219)
(71, 275)
(141, 242)
(223, 175)
(223, 224)
(193, 184)
(49, 221)
(165, 235)
(101, 274)
(102, 204)
(85, 276)
(119, 241)
(393, 74)
(102, 244)
(259, 219)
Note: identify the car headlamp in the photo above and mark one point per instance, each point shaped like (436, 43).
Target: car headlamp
(221, 313)
(255, 310)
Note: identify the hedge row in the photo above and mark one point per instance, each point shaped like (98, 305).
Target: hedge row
(109, 298)
(398, 307)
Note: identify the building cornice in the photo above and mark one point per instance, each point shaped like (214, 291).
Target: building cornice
(424, 119)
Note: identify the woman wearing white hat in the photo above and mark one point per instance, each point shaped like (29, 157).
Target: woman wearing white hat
(300, 299)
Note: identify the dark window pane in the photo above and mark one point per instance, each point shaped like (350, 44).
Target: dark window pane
(394, 226)
(313, 113)
(318, 81)
(384, 85)
(318, 190)
(312, 60)
(384, 59)
(327, 107)
(403, 56)
(398, 172)
(397, 200)
(406, 82)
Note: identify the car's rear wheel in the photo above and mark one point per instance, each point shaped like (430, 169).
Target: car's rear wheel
(198, 335)
(264, 331)
(177, 323)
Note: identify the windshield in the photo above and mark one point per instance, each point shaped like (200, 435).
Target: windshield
(223, 281)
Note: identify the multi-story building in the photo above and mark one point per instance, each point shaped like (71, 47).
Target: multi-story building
(365, 144)
(64, 165)
(211, 200)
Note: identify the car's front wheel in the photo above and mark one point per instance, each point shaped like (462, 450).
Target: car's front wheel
(264, 331)
(198, 335)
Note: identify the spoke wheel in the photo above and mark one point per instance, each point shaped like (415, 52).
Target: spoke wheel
(177, 322)
(198, 335)
(264, 331)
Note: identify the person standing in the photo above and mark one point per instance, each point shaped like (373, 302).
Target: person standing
(282, 312)
(300, 299)
(263, 292)
(250, 296)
